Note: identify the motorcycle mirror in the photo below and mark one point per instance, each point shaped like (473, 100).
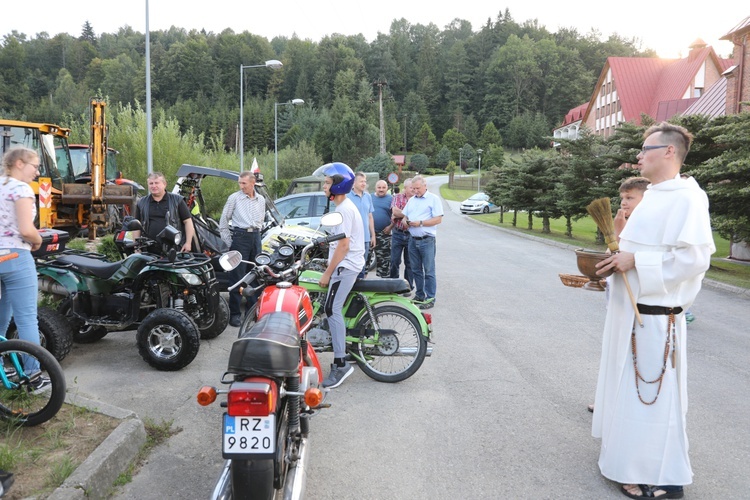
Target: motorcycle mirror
(331, 219)
(131, 224)
(230, 260)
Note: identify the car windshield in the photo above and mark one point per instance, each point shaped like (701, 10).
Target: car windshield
(478, 197)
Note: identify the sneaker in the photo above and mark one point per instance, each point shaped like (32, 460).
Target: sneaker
(338, 375)
(429, 304)
(235, 320)
(39, 384)
(689, 317)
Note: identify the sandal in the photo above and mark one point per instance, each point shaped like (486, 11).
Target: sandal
(655, 491)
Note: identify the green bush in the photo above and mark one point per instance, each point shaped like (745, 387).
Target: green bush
(107, 247)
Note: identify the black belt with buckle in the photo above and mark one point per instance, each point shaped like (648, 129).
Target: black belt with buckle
(244, 230)
(420, 237)
(658, 310)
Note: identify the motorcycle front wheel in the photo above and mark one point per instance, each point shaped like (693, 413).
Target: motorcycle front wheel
(399, 350)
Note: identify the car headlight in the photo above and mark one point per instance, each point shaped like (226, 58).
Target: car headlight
(191, 279)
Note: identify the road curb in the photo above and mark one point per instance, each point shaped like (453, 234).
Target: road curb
(742, 292)
(94, 477)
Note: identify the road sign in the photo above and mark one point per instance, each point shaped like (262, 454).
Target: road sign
(393, 177)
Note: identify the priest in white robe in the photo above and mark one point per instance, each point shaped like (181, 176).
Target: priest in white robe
(641, 396)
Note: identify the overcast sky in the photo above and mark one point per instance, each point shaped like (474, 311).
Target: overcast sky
(667, 27)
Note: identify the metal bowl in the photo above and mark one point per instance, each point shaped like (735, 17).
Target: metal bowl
(586, 260)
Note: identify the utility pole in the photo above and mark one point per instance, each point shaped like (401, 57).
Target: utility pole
(380, 84)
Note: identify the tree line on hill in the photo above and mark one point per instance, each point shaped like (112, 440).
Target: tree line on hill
(446, 94)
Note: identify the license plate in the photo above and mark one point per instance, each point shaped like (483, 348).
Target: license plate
(249, 435)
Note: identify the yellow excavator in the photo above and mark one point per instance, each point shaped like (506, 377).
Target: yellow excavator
(62, 202)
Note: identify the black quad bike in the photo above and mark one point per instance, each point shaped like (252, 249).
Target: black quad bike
(173, 300)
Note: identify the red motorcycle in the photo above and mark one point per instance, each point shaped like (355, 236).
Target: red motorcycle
(274, 379)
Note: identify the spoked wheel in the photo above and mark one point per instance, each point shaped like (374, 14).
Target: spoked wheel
(168, 339)
(399, 350)
(20, 401)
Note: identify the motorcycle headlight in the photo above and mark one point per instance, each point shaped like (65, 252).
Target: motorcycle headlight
(191, 279)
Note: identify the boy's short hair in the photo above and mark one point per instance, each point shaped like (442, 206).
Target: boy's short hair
(639, 183)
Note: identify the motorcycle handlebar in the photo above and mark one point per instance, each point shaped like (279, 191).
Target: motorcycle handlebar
(258, 271)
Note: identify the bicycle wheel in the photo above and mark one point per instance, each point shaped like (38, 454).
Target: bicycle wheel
(18, 402)
(400, 349)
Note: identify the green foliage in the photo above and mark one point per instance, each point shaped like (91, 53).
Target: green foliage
(443, 158)
(108, 248)
(383, 164)
(419, 163)
(425, 141)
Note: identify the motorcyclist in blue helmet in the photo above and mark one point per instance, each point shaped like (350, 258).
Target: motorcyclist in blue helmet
(346, 257)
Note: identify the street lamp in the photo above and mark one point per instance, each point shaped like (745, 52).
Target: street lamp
(294, 102)
(479, 179)
(273, 64)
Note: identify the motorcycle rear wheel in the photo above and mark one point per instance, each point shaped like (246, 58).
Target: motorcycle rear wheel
(401, 348)
(252, 479)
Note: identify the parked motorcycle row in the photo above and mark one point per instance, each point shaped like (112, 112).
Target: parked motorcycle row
(272, 385)
(274, 377)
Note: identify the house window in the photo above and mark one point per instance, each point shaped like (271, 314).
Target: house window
(697, 91)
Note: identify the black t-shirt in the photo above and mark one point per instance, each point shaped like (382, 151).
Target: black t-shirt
(157, 213)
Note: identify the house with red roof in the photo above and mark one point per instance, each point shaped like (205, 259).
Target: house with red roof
(738, 76)
(629, 87)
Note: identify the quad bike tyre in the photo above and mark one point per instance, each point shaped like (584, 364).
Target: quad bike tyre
(168, 339)
(82, 333)
(216, 324)
(55, 333)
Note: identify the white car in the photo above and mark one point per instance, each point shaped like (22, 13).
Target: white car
(478, 203)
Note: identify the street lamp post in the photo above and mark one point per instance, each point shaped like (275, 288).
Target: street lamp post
(479, 179)
(271, 63)
(293, 102)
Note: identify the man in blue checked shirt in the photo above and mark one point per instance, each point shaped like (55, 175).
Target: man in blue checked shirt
(246, 209)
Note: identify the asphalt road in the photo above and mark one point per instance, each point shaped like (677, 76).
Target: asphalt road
(498, 411)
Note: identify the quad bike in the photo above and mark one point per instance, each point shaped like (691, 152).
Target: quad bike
(173, 301)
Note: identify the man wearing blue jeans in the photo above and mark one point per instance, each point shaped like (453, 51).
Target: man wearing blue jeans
(400, 235)
(246, 209)
(423, 212)
(363, 201)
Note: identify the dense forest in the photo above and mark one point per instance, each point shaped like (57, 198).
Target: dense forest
(446, 94)
(517, 76)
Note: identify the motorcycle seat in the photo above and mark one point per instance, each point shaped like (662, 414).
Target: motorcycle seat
(382, 285)
(271, 347)
(88, 265)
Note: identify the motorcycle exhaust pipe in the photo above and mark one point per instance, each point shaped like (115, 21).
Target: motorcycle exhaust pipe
(411, 351)
(294, 486)
(222, 490)
(52, 287)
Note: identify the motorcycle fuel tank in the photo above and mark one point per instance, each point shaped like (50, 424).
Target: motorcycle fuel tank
(287, 297)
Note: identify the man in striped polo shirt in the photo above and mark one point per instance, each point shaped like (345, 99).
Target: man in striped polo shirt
(246, 209)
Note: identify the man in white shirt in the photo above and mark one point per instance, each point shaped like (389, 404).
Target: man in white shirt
(423, 212)
(246, 209)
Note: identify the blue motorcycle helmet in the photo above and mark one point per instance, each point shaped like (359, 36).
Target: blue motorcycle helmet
(342, 175)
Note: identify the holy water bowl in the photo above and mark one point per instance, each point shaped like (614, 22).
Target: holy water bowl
(586, 260)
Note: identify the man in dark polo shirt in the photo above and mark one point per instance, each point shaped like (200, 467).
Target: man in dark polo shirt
(246, 209)
(152, 211)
